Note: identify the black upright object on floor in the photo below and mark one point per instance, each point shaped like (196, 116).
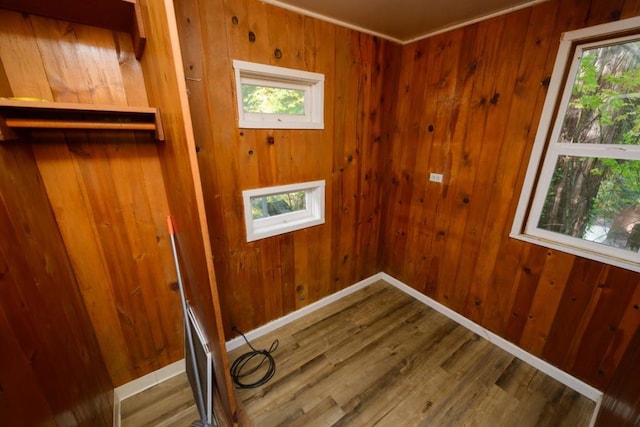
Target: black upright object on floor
(190, 352)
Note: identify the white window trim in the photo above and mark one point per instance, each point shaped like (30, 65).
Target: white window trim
(287, 78)
(284, 223)
(520, 229)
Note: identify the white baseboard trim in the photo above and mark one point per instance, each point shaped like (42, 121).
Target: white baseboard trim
(555, 373)
(559, 375)
(149, 380)
(141, 384)
(116, 410)
(271, 326)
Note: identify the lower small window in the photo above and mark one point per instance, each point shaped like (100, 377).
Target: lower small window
(276, 210)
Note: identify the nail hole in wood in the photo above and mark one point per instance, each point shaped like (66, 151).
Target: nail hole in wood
(234, 20)
(252, 36)
(277, 53)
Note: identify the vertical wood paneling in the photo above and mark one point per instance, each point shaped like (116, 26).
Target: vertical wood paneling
(577, 314)
(466, 156)
(621, 402)
(21, 397)
(606, 337)
(106, 189)
(465, 103)
(434, 52)
(264, 280)
(165, 81)
(528, 96)
(480, 224)
(52, 370)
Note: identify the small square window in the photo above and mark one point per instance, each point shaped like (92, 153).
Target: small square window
(276, 210)
(278, 98)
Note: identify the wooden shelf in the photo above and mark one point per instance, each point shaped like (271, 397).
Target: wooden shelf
(119, 15)
(58, 115)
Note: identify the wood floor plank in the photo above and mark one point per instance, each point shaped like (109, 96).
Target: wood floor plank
(169, 403)
(516, 378)
(385, 359)
(378, 357)
(496, 407)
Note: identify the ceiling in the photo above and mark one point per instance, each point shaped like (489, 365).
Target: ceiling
(402, 21)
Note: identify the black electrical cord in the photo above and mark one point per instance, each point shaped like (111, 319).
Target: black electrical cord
(241, 362)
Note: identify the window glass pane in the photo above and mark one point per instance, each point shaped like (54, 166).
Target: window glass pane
(595, 199)
(272, 100)
(277, 204)
(604, 107)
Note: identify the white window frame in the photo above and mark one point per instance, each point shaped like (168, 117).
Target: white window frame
(286, 78)
(542, 163)
(261, 228)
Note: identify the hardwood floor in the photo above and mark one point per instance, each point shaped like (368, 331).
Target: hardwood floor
(169, 403)
(378, 357)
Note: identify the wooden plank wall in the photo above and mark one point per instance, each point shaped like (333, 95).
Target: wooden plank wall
(51, 368)
(264, 280)
(621, 402)
(167, 90)
(106, 189)
(468, 106)
(465, 103)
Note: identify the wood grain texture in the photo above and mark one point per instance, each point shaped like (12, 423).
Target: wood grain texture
(165, 83)
(380, 357)
(621, 402)
(466, 103)
(169, 403)
(474, 119)
(106, 188)
(53, 372)
(264, 280)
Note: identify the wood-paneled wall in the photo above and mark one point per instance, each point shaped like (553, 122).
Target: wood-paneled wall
(465, 103)
(167, 90)
(468, 106)
(51, 368)
(106, 189)
(621, 402)
(264, 280)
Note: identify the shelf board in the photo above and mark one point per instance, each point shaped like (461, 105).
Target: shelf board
(119, 15)
(60, 115)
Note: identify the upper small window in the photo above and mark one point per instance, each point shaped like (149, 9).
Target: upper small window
(582, 190)
(278, 98)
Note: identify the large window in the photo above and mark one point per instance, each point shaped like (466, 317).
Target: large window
(582, 191)
(278, 98)
(276, 210)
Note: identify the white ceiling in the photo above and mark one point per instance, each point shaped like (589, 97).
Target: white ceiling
(402, 21)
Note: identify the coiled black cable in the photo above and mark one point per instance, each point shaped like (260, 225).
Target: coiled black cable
(241, 362)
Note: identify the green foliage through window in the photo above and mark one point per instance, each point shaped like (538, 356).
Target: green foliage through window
(272, 100)
(278, 204)
(598, 198)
